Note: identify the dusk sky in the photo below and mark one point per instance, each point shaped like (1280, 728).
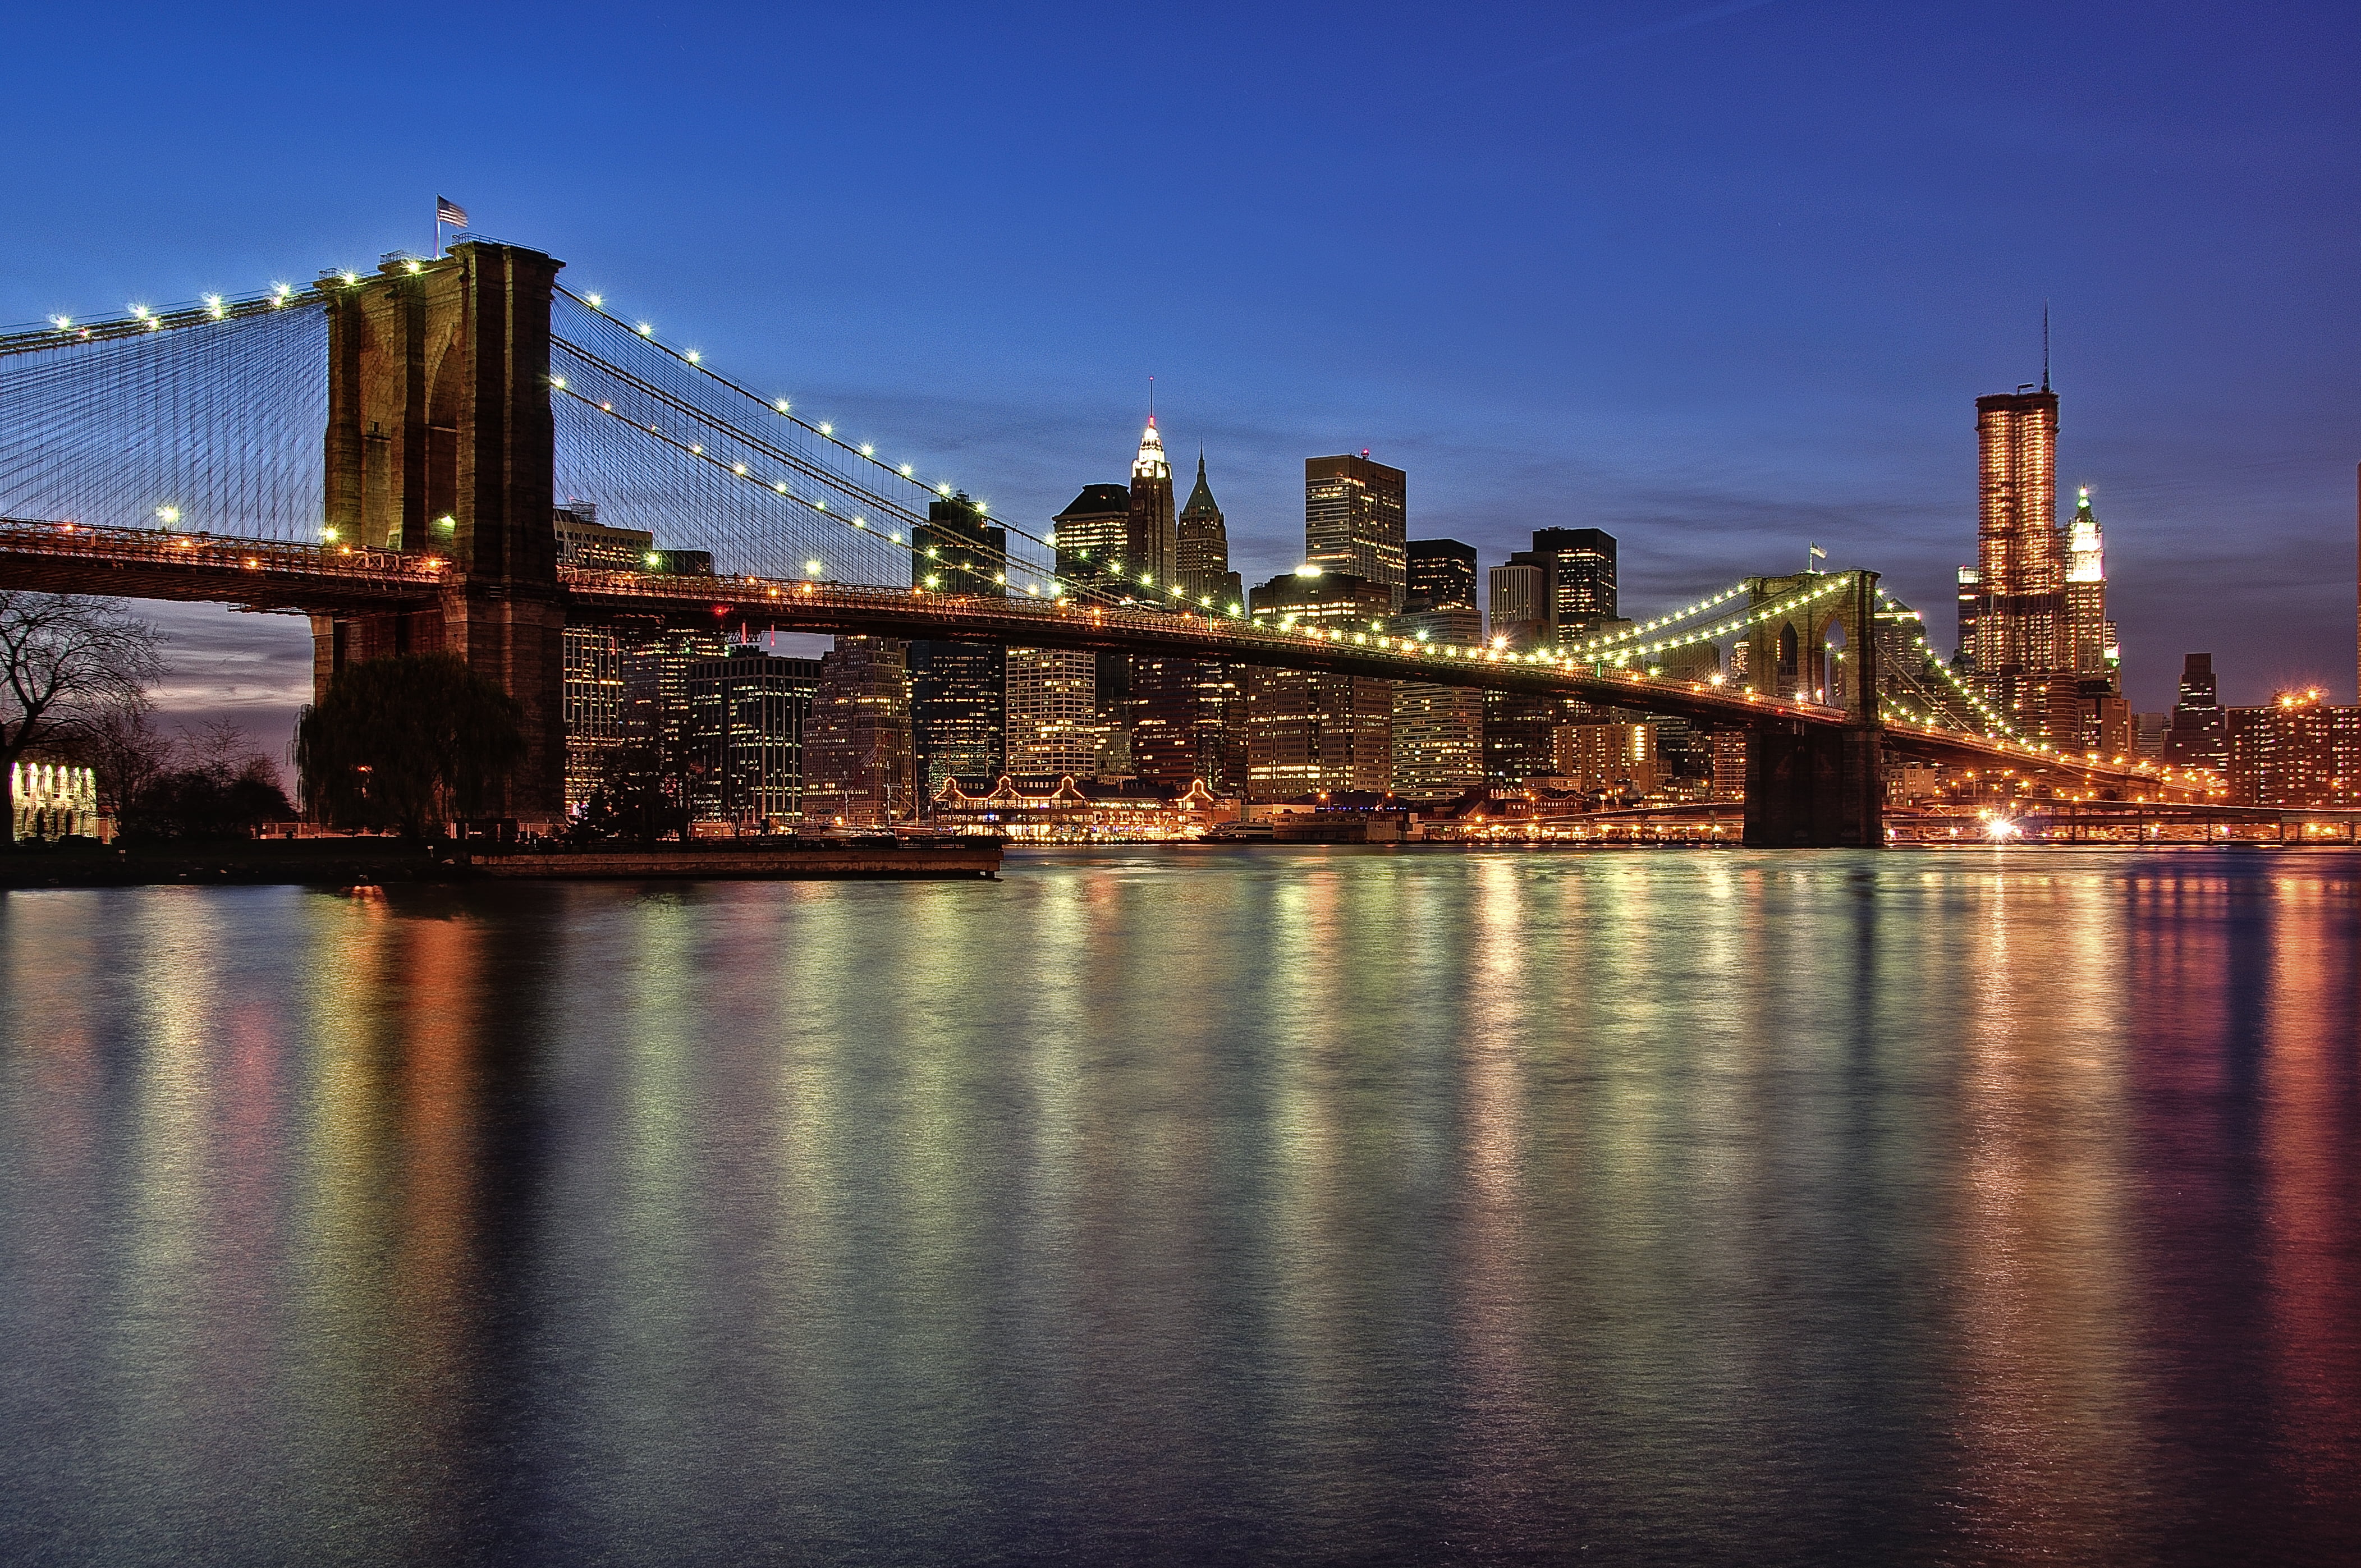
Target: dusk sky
(1724, 279)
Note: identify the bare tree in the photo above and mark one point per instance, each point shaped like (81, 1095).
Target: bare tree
(66, 663)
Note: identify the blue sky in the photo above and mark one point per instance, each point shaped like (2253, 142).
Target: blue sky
(1722, 278)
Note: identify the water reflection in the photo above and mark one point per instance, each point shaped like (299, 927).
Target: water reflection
(1321, 1204)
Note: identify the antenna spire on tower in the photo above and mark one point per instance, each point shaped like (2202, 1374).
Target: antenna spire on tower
(2045, 345)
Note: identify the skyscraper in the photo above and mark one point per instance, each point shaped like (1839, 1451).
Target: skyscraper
(1438, 730)
(1189, 715)
(857, 754)
(2023, 655)
(1093, 538)
(1310, 731)
(592, 686)
(1052, 697)
(956, 688)
(1151, 541)
(1522, 601)
(1582, 578)
(748, 718)
(1201, 549)
(2196, 737)
(1355, 516)
(1441, 574)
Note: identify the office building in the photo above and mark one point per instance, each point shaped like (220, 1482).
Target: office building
(1581, 565)
(1189, 715)
(1522, 602)
(1202, 550)
(1617, 760)
(2196, 739)
(1052, 712)
(956, 688)
(592, 686)
(1438, 730)
(749, 714)
(1189, 722)
(1312, 731)
(1355, 517)
(1441, 574)
(1093, 538)
(2030, 639)
(2298, 751)
(1152, 535)
(858, 756)
(655, 674)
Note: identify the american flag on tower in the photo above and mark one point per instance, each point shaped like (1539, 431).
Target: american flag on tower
(448, 211)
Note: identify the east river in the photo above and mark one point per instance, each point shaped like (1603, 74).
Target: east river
(1156, 1205)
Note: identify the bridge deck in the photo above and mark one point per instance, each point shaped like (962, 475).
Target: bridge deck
(304, 578)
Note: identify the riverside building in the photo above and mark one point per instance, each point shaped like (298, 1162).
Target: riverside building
(749, 714)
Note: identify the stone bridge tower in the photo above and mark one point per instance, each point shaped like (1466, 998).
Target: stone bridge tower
(440, 441)
(1808, 785)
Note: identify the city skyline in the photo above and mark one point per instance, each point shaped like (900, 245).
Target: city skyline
(1718, 318)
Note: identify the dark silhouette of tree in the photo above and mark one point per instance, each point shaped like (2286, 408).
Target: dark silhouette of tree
(641, 796)
(209, 782)
(412, 742)
(66, 664)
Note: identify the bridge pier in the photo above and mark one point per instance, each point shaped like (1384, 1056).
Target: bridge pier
(1814, 788)
(440, 441)
(1811, 785)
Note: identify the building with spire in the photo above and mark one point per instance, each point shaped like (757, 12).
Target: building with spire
(1201, 549)
(2014, 603)
(1151, 540)
(1189, 715)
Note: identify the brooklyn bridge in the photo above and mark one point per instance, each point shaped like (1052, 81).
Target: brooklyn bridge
(384, 452)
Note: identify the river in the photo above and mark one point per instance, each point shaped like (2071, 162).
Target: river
(1331, 1204)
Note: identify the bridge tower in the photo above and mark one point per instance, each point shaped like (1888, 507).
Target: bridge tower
(440, 441)
(1808, 785)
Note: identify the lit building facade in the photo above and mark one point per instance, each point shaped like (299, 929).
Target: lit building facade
(1521, 601)
(654, 672)
(1442, 575)
(1310, 731)
(858, 756)
(1354, 521)
(957, 689)
(2298, 752)
(1581, 565)
(1068, 809)
(1189, 715)
(2034, 631)
(54, 800)
(1151, 538)
(1438, 730)
(749, 714)
(1051, 699)
(591, 688)
(1614, 759)
(1093, 537)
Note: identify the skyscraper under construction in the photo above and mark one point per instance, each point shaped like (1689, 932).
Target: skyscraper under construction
(2033, 610)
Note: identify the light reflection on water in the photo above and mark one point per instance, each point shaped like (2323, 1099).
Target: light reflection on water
(1323, 1204)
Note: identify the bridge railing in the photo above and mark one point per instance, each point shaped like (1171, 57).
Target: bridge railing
(344, 563)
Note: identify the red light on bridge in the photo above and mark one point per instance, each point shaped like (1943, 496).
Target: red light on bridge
(721, 610)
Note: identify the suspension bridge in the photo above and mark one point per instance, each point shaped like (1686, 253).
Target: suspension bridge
(384, 452)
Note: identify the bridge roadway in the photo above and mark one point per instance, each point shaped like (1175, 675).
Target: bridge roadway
(263, 575)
